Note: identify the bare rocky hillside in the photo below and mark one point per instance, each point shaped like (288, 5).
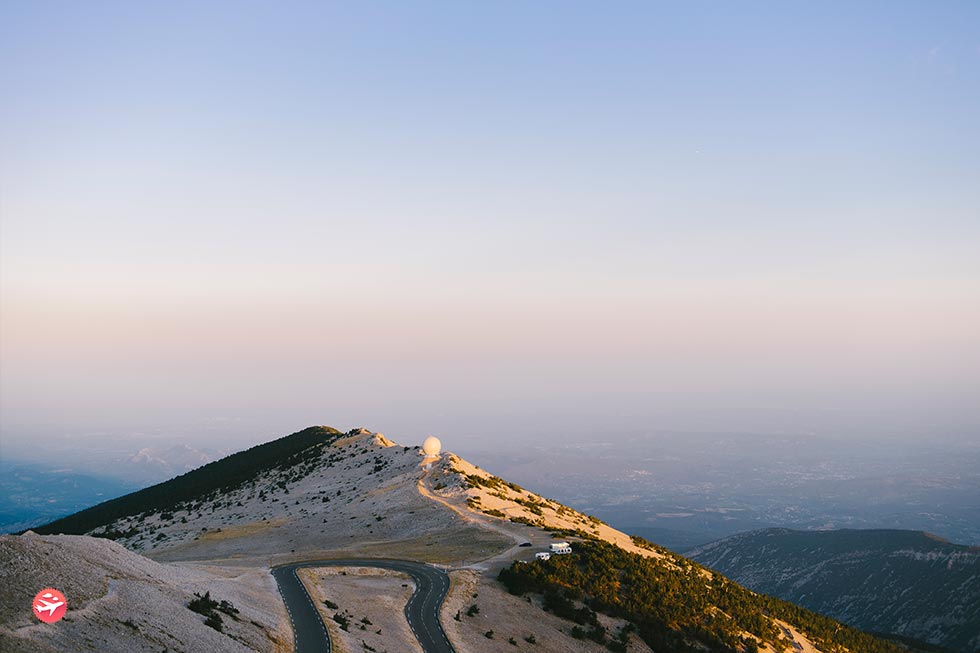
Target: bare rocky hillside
(120, 601)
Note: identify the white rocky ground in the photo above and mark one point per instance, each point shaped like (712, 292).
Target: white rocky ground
(511, 618)
(373, 603)
(121, 601)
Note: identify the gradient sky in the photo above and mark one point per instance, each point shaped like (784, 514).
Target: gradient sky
(487, 220)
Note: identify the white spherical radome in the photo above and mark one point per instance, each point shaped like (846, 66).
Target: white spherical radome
(431, 446)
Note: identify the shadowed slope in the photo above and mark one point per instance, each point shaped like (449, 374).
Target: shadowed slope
(904, 582)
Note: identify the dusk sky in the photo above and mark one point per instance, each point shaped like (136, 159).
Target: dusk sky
(486, 220)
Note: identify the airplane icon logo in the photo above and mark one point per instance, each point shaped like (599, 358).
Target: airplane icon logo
(50, 605)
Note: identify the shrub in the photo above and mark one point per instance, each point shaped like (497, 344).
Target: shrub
(203, 604)
(214, 621)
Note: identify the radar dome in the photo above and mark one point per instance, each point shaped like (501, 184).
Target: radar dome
(431, 446)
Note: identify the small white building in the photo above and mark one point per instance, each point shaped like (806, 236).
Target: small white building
(561, 547)
(543, 555)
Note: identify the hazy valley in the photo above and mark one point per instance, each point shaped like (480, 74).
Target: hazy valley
(682, 490)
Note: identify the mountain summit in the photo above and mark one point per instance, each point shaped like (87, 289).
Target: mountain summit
(312, 493)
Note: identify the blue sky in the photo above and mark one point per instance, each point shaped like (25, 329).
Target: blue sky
(695, 215)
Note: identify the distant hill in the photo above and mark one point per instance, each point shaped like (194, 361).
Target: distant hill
(909, 583)
(34, 493)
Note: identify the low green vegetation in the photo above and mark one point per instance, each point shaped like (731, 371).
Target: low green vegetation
(343, 620)
(672, 603)
(209, 608)
(490, 482)
(528, 522)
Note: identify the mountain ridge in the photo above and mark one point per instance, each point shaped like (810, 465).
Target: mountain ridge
(909, 583)
(222, 474)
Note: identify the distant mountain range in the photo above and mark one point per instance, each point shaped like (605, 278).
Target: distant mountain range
(909, 583)
(32, 493)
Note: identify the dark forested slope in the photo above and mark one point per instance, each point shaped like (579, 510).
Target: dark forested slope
(904, 582)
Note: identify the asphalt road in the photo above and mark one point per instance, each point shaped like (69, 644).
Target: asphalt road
(422, 609)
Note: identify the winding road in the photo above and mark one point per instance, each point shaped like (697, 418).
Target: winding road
(421, 611)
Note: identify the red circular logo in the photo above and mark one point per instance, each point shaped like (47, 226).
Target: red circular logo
(50, 605)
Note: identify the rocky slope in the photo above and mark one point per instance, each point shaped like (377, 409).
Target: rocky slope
(121, 601)
(903, 582)
(319, 492)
